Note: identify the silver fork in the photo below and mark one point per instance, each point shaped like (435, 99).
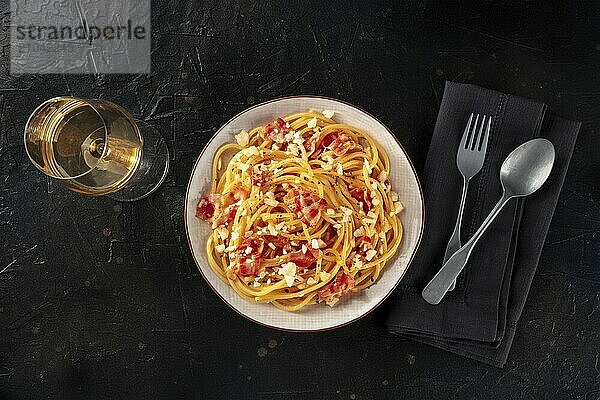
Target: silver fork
(469, 160)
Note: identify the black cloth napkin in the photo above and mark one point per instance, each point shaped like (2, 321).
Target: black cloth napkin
(478, 319)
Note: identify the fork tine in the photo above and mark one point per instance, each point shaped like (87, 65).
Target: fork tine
(473, 134)
(478, 143)
(463, 141)
(483, 143)
(479, 135)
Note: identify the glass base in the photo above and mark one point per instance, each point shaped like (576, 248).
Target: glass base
(152, 170)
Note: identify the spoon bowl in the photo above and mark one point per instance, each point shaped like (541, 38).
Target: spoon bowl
(527, 167)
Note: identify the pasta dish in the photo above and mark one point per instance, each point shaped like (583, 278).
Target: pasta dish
(301, 211)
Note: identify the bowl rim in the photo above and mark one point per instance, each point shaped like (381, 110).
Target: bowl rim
(412, 256)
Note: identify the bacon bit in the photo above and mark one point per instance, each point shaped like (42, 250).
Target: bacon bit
(276, 130)
(239, 193)
(248, 257)
(303, 260)
(363, 197)
(310, 145)
(228, 216)
(259, 178)
(363, 245)
(332, 292)
(329, 236)
(306, 205)
(220, 208)
(280, 242)
(206, 207)
(339, 142)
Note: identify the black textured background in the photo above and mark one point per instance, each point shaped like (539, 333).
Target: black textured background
(102, 300)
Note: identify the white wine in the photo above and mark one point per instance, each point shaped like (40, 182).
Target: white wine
(94, 146)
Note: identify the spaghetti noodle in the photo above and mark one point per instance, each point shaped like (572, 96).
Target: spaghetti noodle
(302, 213)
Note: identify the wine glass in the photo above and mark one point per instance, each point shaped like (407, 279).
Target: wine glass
(96, 147)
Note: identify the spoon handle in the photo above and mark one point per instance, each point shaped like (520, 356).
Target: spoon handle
(436, 289)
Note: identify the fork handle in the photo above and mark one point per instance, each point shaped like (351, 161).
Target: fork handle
(454, 242)
(436, 289)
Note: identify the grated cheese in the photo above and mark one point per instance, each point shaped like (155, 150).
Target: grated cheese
(346, 210)
(272, 230)
(357, 262)
(242, 138)
(370, 254)
(328, 113)
(359, 232)
(271, 202)
(222, 232)
(242, 166)
(288, 270)
(251, 151)
(383, 175)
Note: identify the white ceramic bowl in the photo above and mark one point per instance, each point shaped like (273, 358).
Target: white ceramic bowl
(404, 181)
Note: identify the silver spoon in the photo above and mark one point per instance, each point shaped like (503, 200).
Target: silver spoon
(523, 172)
